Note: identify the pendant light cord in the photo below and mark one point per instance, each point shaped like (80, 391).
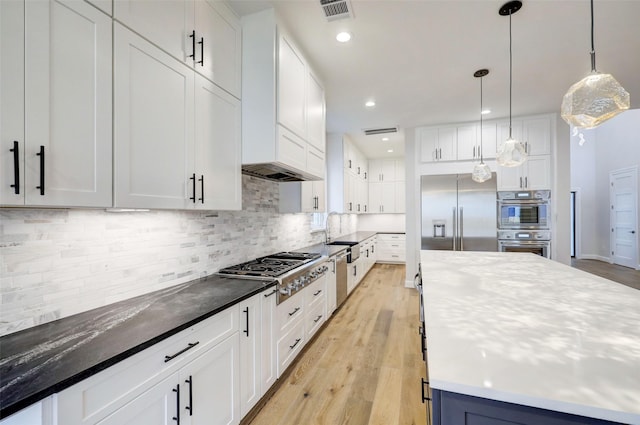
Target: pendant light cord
(481, 157)
(511, 73)
(593, 49)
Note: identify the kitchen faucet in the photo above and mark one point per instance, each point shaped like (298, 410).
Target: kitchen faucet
(327, 239)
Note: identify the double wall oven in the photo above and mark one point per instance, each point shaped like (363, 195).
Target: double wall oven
(523, 222)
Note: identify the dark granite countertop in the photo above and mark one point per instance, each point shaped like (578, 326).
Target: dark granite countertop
(322, 249)
(40, 361)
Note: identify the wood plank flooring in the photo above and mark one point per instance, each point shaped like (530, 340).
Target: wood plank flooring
(363, 368)
(620, 274)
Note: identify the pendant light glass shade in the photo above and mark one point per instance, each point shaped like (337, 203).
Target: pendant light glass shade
(512, 152)
(481, 172)
(594, 99)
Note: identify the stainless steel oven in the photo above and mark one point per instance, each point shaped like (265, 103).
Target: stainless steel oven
(536, 242)
(524, 210)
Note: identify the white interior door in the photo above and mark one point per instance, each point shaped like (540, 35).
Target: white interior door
(624, 216)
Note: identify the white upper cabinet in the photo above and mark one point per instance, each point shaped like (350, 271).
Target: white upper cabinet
(292, 108)
(204, 34)
(177, 135)
(536, 135)
(437, 144)
(534, 174)
(56, 110)
(283, 109)
(302, 197)
(386, 170)
(471, 147)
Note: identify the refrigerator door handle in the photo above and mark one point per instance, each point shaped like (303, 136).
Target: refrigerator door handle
(461, 230)
(455, 226)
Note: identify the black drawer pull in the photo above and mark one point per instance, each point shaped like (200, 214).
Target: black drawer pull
(246, 331)
(201, 180)
(317, 319)
(177, 416)
(201, 43)
(424, 398)
(190, 406)
(294, 311)
(41, 155)
(187, 348)
(16, 167)
(270, 293)
(192, 36)
(295, 343)
(317, 293)
(193, 180)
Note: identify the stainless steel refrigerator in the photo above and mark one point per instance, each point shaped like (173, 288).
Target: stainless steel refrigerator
(458, 214)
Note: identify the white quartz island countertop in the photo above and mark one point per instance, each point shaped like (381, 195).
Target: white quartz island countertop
(523, 329)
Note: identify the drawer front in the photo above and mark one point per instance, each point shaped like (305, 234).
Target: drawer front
(99, 395)
(391, 237)
(392, 255)
(314, 319)
(290, 345)
(290, 312)
(315, 293)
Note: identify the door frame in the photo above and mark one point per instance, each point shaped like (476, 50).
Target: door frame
(634, 174)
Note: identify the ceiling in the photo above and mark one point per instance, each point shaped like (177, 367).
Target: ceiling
(416, 58)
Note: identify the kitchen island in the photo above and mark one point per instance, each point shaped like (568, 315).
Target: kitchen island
(517, 338)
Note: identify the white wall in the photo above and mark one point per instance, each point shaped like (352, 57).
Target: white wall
(59, 262)
(611, 146)
(382, 222)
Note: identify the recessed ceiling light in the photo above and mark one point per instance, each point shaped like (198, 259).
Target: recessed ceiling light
(485, 111)
(390, 150)
(343, 37)
(370, 104)
(385, 139)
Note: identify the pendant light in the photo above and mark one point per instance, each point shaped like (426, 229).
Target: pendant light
(511, 152)
(481, 172)
(594, 99)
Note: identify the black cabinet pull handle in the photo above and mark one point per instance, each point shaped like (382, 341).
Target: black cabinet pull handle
(355, 270)
(317, 293)
(294, 311)
(41, 155)
(365, 175)
(349, 163)
(189, 347)
(192, 36)
(190, 406)
(177, 416)
(317, 319)
(295, 343)
(270, 293)
(201, 43)
(193, 185)
(201, 180)
(350, 206)
(246, 331)
(424, 398)
(16, 167)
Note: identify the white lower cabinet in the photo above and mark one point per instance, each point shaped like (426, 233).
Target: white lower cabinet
(203, 392)
(290, 344)
(315, 306)
(269, 340)
(208, 351)
(332, 299)
(250, 342)
(391, 248)
(40, 413)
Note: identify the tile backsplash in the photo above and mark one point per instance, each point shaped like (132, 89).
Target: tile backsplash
(59, 262)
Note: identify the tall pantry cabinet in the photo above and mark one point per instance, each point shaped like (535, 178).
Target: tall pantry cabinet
(55, 104)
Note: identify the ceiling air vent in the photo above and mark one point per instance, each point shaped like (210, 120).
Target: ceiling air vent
(336, 9)
(374, 131)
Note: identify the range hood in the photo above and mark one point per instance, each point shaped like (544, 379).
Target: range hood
(276, 172)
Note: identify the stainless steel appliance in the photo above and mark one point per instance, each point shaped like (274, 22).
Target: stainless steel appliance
(292, 270)
(458, 214)
(524, 210)
(341, 278)
(534, 241)
(353, 252)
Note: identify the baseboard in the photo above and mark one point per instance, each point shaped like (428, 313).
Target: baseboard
(596, 257)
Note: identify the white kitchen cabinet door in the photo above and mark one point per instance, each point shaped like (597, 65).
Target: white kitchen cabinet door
(250, 353)
(503, 131)
(269, 340)
(315, 161)
(489, 137)
(437, 144)
(220, 32)
(331, 287)
(313, 196)
(159, 405)
(538, 173)
(292, 76)
(12, 142)
(316, 112)
(217, 148)
(213, 396)
(467, 143)
(536, 135)
(167, 24)
(382, 197)
(58, 107)
(153, 139)
(510, 178)
(400, 194)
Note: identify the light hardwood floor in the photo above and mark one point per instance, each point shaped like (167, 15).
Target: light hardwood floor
(363, 368)
(620, 274)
